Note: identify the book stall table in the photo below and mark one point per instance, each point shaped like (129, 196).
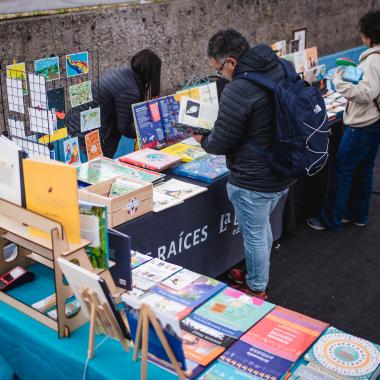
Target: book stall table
(200, 234)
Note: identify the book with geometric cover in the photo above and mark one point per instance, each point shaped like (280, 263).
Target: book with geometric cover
(199, 350)
(103, 169)
(207, 169)
(220, 371)
(232, 312)
(188, 288)
(150, 159)
(185, 152)
(345, 356)
(255, 362)
(284, 333)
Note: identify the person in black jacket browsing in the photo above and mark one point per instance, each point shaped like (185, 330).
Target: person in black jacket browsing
(246, 119)
(116, 91)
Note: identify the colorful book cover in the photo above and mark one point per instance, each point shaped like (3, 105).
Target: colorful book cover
(103, 168)
(120, 187)
(207, 169)
(93, 147)
(222, 371)
(179, 189)
(93, 227)
(232, 312)
(51, 191)
(199, 350)
(189, 288)
(255, 362)
(169, 110)
(90, 119)
(148, 129)
(345, 355)
(163, 201)
(150, 158)
(71, 151)
(77, 64)
(285, 333)
(48, 67)
(156, 270)
(80, 93)
(138, 259)
(186, 153)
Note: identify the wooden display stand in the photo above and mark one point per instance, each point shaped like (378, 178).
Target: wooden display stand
(14, 227)
(101, 322)
(146, 318)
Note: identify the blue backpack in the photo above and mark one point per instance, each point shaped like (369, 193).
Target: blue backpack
(301, 140)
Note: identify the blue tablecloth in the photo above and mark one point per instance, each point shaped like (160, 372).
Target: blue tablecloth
(33, 351)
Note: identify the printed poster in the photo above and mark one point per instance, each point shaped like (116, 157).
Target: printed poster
(93, 147)
(311, 57)
(18, 71)
(90, 119)
(77, 64)
(56, 104)
(71, 151)
(48, 67)
(80, 93)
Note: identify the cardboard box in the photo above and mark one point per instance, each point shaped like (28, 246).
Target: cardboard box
(122, 208)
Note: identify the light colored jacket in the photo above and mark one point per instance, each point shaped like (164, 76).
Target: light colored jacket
(361, 109)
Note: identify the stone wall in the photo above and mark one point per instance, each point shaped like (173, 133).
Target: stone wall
(179, 30)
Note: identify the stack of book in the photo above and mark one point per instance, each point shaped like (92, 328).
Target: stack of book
(335, 105)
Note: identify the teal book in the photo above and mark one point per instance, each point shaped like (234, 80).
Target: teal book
(232, 312)
(345, 356)
(93, 227)
(222, 371)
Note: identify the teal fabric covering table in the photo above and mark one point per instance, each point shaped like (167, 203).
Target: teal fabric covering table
(34, 352)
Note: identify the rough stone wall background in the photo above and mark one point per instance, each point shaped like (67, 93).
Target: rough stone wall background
(179, 30)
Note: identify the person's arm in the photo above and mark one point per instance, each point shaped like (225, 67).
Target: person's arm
(124, 116)
(367, 89)
(234, 110)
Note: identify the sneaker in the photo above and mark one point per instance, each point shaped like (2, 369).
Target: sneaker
(258, 294)
(315, 224)
(345, 221)
(236, 275)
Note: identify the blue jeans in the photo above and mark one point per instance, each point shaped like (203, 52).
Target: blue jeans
(351, 186)
(253, 209)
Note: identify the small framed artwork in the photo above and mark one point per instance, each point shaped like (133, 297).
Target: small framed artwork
(300, 35)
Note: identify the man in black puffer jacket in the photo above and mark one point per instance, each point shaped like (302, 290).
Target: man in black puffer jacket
(246, 119)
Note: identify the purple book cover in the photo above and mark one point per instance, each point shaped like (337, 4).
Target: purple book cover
(255, 362)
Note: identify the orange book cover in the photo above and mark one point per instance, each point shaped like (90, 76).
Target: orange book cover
(199, 350)
(285, 333)
(93, 147)
(51, 191)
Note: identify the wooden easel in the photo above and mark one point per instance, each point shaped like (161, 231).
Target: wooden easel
(146, 318)
(14, 227)
(102, 322)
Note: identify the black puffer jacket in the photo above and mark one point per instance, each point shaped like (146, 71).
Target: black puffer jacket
(115, 92)
(247, 115)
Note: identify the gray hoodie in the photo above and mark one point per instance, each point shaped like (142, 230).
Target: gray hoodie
(361, 109)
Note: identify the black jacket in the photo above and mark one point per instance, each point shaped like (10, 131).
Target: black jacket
(115, 92)
(247, 115)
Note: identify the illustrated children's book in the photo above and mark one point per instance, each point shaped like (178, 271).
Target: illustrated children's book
(207, 169)
(93, 227)
(80, 93)
(77, 64)
(232, 312)
(56, 105)
(93, 147)
(189, 288)
(48, 67)
(199, 350)
(185, 152)
(150, 159)
(102, 169)
(345, 356)
(284, 333)
(163, 201)
(90, 119)
(255, 362)
(122, 186)
(71, 151)
(51, 190)
(179, 189)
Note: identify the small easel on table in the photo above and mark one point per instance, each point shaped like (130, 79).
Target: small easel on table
(146, 318)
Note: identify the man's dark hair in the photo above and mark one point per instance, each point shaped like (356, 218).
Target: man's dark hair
(146, 64)
(227, 43)
(370, 26)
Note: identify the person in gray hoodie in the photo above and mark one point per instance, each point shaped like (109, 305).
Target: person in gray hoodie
(350, 191)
